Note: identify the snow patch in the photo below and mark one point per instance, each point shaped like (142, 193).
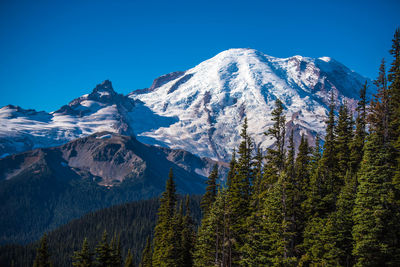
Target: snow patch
(326, 59)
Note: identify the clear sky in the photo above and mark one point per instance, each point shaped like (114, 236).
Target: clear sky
(54, 51)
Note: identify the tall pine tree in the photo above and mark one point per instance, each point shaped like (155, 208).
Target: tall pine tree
(211, 191)
(165, 246)
(212, 245)
(375, 214)
(42, 254)
(276, 155)
(103, 252)
(357, 144)
(146, 259)
(239, 194)
(129, 260)
(83, 258)
(344, 135)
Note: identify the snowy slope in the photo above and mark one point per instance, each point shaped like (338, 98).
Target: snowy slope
(200, 110)
(210, 100)
(102, 110)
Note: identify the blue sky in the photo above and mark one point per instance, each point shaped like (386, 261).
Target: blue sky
(54, 51)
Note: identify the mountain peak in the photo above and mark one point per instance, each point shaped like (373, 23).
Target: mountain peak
(238, 52)
(103, 89)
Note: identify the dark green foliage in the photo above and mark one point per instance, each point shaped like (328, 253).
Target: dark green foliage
(164, 242)
(325, 183)
(374, 220)
(188, 237)
(378, 116)
(302, 167)
(115, 246)
(211, 191)
(129, 260)
(232, 168)
(344, 132)
(84, 257)
(319, 243)
(212, 244)
(104, 252)
(42, 254)
(276, 156)
(239, 194)
(278, 224)
(258, 179)
(328, 180)
(134, 222)
(174, 234)
(357, 144)
(343, 222)
(147, 255)
(394, 90)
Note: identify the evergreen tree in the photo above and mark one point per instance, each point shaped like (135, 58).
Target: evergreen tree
(232, 168)
(290, 166)
(319, 243)
(291, 201)
(394, 89)
(278, 225)
(177, 230)
(276, 156)
(211, 191)
(42, 254)
(372, 215)
(378, 116)
(302, 167)
(328, 170)
(254, 244)
(343, 222)
(258, 176)
(324, 188)
(343, 130)
(313, 186)
(300, 185)
(83, 258)
(316, 155)
(165, 247)
(375, 216)
(212, 244)
(188, 237)
(103, 252)
(360, 134)
(129, 260)
(239, 194)
(115, 246)
(147, 254)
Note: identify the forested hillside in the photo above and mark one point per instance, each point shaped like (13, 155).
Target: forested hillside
(335, 203)
(130, 223)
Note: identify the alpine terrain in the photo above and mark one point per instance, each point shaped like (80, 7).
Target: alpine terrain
(199, 110)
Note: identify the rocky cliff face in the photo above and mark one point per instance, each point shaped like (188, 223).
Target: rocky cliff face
(110, 159)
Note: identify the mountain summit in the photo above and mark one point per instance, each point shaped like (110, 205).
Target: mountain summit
(211, 99)
(199, 110)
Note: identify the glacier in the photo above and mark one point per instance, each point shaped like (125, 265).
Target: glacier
(200, 110)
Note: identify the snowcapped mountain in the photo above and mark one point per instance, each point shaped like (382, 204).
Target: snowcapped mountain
(200, 110)
(210, 100)
(102, 110)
